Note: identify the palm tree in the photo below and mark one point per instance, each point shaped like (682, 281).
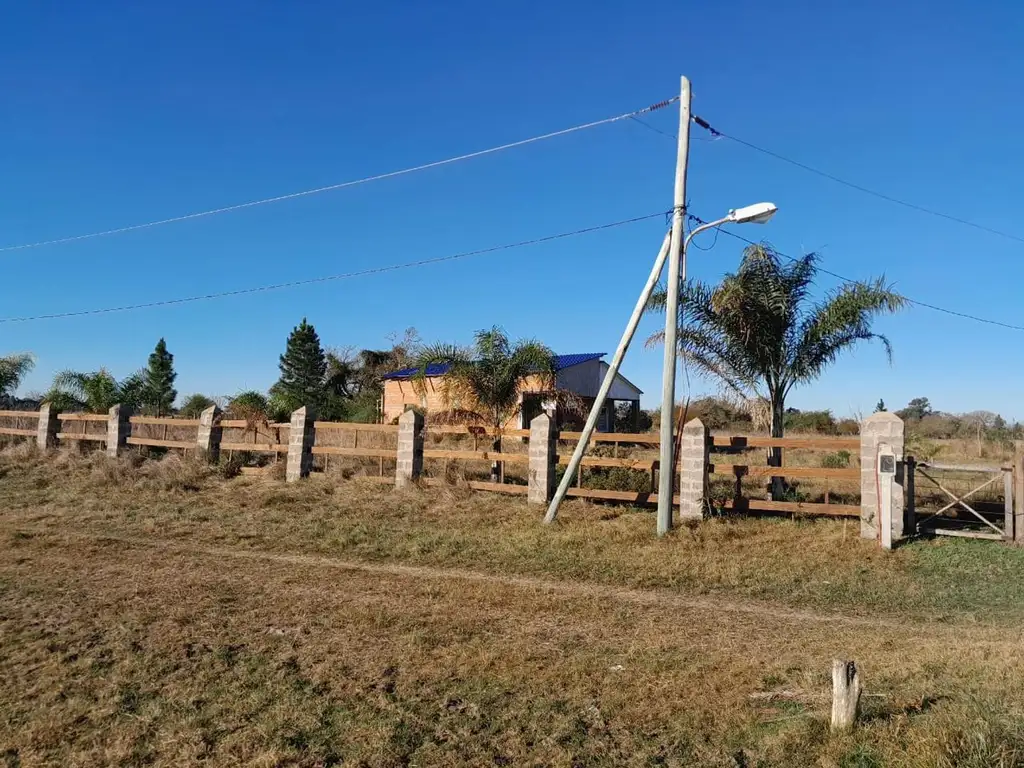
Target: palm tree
(95, 392)
(250, 405)
(484, 383)
(759, 335)
(13, 369)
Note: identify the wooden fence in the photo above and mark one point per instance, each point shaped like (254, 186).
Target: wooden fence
(329, 438)
(19, 423)
(472, 450)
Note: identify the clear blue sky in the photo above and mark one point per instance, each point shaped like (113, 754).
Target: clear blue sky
(120, 113)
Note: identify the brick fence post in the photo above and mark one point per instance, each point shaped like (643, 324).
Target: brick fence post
(300, 444)
(49, 425)
(118, 429)
(543, 457)
(881, 433)
(409, 464)
(694, 454)
(209, 434)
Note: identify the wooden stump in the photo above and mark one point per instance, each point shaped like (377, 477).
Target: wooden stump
(846, 688)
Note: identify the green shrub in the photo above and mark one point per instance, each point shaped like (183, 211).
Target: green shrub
(848, 427)
(810, 421)
(837, 460)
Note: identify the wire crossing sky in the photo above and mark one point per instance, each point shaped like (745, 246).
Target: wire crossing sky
(344, 184)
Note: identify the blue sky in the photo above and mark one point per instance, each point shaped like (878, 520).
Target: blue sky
(119, 113)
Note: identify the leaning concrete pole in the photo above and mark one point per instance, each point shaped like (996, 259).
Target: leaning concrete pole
(609, 378)
(676, 273)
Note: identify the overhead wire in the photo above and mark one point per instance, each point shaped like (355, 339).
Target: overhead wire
(672, 136)
(908, 299)
(955, 313)
(344, 184)
(330, 278)
(717, 134)
(858, 187)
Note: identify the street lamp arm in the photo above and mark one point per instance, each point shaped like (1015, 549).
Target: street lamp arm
(702, 228)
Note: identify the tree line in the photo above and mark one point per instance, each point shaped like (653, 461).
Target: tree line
(340, 384)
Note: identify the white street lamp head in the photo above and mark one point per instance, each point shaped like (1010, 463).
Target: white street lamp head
(759, 213)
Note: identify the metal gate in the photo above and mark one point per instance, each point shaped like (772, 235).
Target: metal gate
(937, 505)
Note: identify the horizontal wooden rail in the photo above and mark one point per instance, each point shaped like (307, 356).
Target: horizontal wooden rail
(798, 507)
(78, 436)
(833, 473)
(337, 450)
(164, 420)
(632, 497)
(961, 467)
(728, 441)
(18, 432)
(480, 485)
(963, 534)
(353, 426)
(243, 424)
(472, 429)
(161, 443)
(521, 458)
(648, 438)
(21, 414)
(255, 447)
(83, 417)
(818, 443)
(644, 465)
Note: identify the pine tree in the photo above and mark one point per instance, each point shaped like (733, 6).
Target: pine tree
(159, 380)
(880, 407)
(303, 370)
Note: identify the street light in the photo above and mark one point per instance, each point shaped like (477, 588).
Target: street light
(759, 213)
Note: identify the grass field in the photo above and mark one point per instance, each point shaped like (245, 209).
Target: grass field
(154, 613)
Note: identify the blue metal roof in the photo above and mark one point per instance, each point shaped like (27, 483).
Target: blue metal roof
(440, 369)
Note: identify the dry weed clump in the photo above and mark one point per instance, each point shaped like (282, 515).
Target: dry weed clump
(347, 467)
(133, 471)
(19, 452)
(93, 469)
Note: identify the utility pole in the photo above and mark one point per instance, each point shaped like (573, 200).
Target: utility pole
(676, 274)
(609, 379)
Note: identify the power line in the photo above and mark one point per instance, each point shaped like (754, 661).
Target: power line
(858, 187)
(329, 278)
(670, 135)
(717, 134)
(342, 185)
(836, 275)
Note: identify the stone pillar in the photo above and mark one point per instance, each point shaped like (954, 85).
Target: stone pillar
(881, 433)
(694, 455)
(49, 426)
(543, 459)
(209, 434)
(118, 429)
(300, 445)
(409, 464)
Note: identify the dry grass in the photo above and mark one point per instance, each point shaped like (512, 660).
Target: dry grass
(155, 614)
